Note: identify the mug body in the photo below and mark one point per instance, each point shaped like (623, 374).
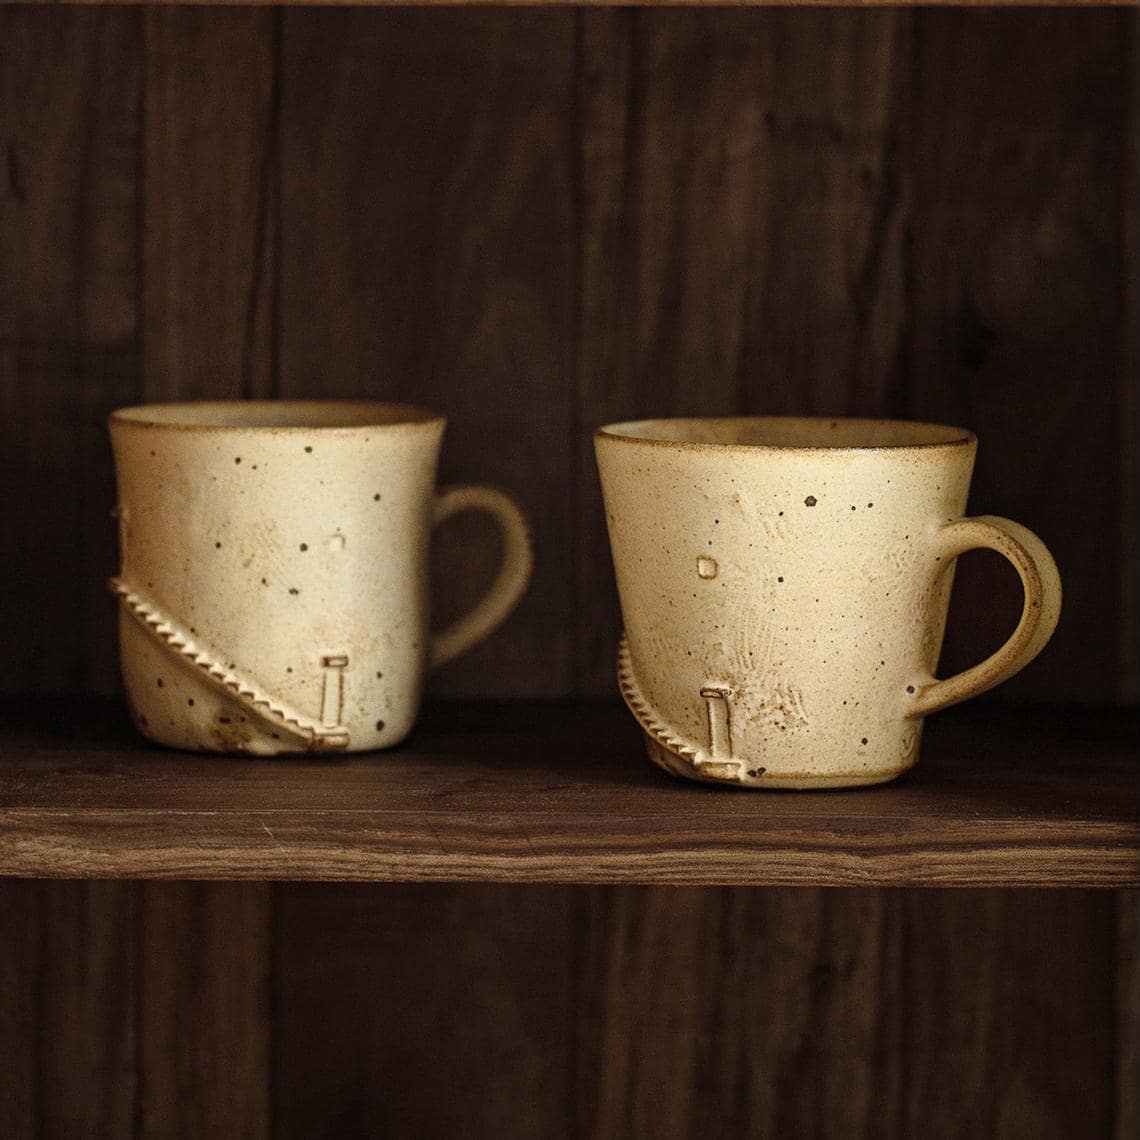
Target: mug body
(274, 571)
(781, 590)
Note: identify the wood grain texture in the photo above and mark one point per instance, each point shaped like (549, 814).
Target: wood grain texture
(713, 4)
(1126, 1104)
(206, 1010)
(423, 1012)
(546, 793)
(1130, 382)
(21, 950)
(826, 295)
(426, 167)
(1017, 310)
(738, 1013)
(86, 1030)
(69, 121)
(211, 112)
(67, 1009)
(1008, 992)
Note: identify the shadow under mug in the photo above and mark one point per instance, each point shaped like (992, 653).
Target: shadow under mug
(784, 585)
(274, 575)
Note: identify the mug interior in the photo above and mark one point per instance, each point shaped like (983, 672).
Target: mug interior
(275, 414)
(789, 432)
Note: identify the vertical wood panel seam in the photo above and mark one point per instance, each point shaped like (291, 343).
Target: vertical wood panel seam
(147, 17)
(577, 305)
(270, 169)
(39, 984)
(1126, 1003)
(77, 348)
(890, 197)
(138, 946)
(273, 949)
(1130, 373)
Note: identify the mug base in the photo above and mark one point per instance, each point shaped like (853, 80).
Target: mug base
(237, 735)
(736, 776)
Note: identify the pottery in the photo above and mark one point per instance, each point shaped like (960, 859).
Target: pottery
(784, 585)
(273, 587)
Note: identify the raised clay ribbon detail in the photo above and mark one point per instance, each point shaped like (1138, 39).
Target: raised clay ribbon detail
(317, 737)
(687, 758)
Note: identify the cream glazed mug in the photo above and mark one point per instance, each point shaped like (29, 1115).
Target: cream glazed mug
(784, 585)
(273, 586)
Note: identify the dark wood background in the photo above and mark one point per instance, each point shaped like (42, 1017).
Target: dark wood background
(540, 221)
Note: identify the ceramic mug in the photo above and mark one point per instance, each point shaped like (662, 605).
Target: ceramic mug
(274, 571)
(784, 585)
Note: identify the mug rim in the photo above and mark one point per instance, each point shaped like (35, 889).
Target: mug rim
(954, 437)
(350, 416)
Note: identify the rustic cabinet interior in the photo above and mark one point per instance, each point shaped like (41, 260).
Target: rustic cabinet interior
(540, 220)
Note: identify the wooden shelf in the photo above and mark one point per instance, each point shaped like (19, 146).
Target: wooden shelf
(599, 3)
(525, 792)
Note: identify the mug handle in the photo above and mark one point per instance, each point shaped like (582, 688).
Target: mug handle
(514, 572)
(1042, 584)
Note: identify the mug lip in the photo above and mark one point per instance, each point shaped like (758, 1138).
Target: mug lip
(956, 437)
(376, 415)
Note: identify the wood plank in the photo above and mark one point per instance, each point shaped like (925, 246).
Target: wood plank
(69, 115)
(86, 1017)
(1009, 1014)
(743, 214)
(543, 792)
(1129, 689)
(607, 3)
(711, 1012)
(212, 108)
(206, 1010)
(1126, 1106)
(423, 1011)
(426, 168)
(67, 1004)
(21, 924)
(1018, 310)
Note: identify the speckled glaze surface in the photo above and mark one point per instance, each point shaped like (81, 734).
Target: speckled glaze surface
(784, 586)
(273, 586)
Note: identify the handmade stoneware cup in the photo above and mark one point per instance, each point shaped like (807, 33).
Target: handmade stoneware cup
(274, 571)
(784, 585)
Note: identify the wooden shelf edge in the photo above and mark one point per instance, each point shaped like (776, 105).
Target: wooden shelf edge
(529, 792)
(368, 847)
(583, 3)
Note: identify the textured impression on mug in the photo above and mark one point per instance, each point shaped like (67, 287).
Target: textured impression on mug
(780, 705)
(332, 694)
(720, 726)
(771, 521)
(706, 566)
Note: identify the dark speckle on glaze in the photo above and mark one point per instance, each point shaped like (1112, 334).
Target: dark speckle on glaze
(810, 501)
